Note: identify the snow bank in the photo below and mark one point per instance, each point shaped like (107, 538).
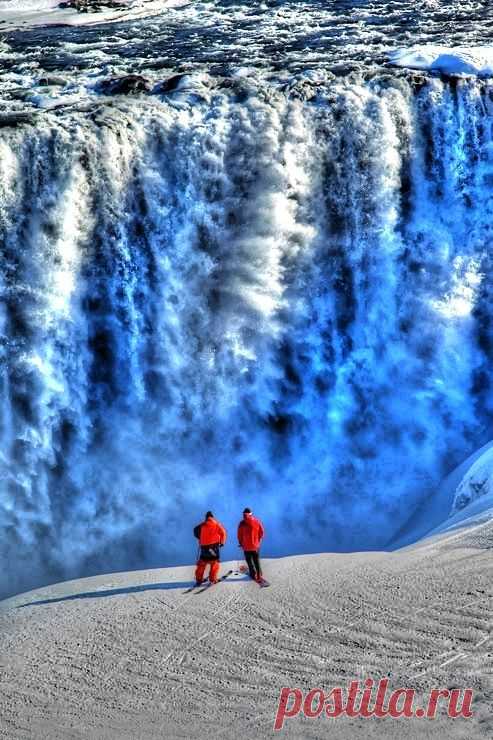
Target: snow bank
(476, 483)
(25, 14)
(25, 6)
(476, 513)
(453, 61)
(470, 486)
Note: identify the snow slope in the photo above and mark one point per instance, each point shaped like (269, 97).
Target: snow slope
(470, 488)
(132, 656)
(477, 482)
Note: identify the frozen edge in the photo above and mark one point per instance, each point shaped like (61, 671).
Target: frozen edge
(451, 61)
(29, 15)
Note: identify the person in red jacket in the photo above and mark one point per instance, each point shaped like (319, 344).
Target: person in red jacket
(211, 536)
(250, 533)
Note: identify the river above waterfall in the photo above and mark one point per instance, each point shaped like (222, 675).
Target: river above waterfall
(280, 36)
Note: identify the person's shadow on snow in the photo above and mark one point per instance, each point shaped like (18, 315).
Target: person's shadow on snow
(122, 591)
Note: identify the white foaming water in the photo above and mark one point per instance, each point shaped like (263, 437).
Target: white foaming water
(237, 296)
(282, 36)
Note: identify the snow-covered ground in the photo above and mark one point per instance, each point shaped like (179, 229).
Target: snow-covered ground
(470, 488)
(24, 14)
(477, 481)
(133, 656)
(453, 61)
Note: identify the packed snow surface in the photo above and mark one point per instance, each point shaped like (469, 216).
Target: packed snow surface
(132, 655)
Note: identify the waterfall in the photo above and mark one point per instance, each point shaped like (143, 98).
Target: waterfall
(240, 294)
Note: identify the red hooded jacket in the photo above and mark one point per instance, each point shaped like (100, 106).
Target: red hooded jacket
(250, 532)
(212, 532)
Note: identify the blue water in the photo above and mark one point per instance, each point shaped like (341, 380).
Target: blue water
(264, 284)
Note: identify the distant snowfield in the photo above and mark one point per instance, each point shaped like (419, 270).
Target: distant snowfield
(453, 61)
(25, 14)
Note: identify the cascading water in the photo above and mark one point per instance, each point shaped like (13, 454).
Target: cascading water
(240, 293)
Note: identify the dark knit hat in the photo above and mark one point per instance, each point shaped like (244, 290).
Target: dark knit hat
(247, 511)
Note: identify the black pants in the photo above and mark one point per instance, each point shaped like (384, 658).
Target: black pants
(253, 562)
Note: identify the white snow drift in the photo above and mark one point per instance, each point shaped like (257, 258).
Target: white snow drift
(453, 61)
(24, 14)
